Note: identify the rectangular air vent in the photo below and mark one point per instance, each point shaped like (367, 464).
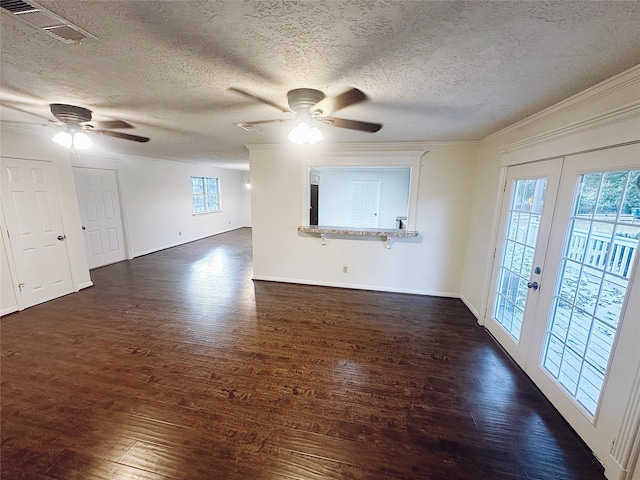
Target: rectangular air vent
(46, 21)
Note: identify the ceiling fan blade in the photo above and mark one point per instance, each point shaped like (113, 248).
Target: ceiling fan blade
(328, 105)
(110, 124)
(351, 124)
(22, 110)
(259, 99)
(268, 121)
(15, 122)
(124, 136)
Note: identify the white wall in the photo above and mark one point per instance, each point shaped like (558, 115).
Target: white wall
(156, 200)
(432, 263)
(245, 207)
(334, 205)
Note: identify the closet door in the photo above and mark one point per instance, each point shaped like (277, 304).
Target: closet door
(35, 231)
(99, 203)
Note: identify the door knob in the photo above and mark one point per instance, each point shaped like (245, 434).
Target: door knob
(533, 285)
(61, 237)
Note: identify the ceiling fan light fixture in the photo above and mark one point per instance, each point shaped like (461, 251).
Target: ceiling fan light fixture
(63, 138)
(303, 133)
(77, 140)
(315, 135)
(81, 141)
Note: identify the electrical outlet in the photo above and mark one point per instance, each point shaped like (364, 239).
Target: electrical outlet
(345, 269)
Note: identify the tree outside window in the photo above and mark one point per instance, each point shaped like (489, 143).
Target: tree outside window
(205, 194)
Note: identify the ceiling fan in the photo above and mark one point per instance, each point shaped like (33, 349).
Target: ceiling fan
(308, 104)
(78, 120)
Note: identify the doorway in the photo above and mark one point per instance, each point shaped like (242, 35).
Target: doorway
(313, 209)
(566, 256)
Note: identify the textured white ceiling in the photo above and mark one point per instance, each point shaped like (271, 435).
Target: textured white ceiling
(434, 71)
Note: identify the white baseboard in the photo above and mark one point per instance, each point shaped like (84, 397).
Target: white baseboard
(357, 287)
(8, 310)
(471, 308)
(84, 285)
(171, 245)
(613, 471)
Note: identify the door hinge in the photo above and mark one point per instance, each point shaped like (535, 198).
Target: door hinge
(8, 234)
(504, 187)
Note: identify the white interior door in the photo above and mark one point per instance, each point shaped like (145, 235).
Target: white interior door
(578, 357)
(365, 203)
(99, 202)
(36, 235)
(526, 215)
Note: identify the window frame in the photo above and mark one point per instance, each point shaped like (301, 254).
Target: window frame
(206, 194)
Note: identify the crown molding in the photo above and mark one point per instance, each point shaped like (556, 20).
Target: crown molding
(618, 115)
(44, 132)
(626, 79)
(380, 147)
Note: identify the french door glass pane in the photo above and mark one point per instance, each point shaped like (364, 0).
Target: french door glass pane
(599, 255)
(517, 256)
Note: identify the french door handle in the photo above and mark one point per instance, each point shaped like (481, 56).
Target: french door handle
(533, 285)
(61, 237)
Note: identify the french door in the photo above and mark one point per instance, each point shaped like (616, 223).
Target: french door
(527, 211)
(569, 318)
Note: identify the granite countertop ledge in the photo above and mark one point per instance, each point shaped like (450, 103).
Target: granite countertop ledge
(369, 232)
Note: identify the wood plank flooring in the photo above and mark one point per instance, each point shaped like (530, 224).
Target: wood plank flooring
(176, 365)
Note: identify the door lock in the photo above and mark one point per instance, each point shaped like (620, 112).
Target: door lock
(533, 285)
(61, 237)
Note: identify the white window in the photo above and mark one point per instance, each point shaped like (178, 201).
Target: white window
(205, 194)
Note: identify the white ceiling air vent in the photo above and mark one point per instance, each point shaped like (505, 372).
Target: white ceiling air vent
(249, 127)
(47, 21)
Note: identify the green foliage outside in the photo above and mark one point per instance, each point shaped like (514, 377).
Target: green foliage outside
(600, 194)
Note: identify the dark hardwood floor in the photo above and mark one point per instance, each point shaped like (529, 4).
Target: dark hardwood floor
(177, 365)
